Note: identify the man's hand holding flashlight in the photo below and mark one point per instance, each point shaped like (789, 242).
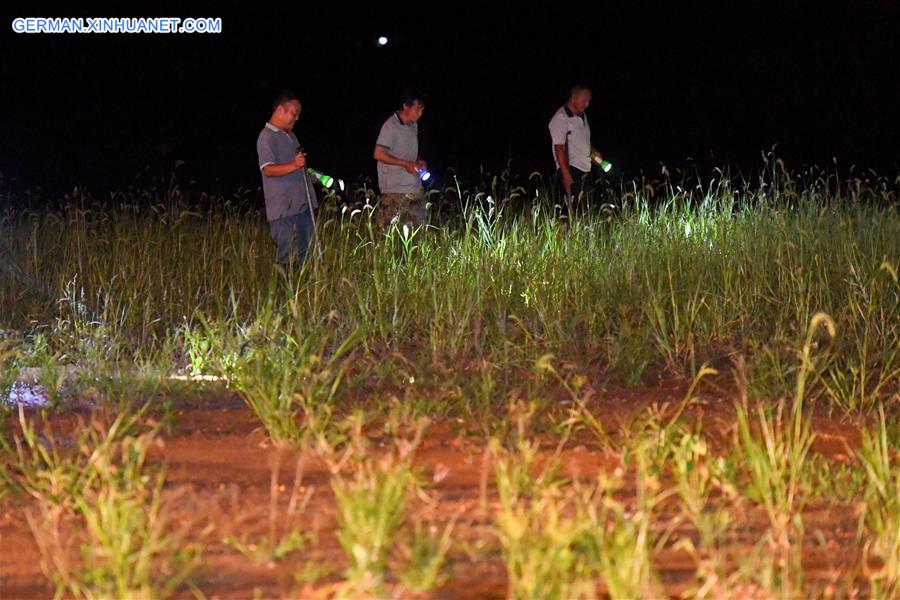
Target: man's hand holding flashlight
(300, 159)
(411, 167)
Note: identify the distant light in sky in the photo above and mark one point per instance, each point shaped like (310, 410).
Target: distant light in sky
(382, 41)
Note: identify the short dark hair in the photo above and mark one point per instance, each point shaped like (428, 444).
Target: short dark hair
(578, 87)
(283, 97)
(410, 96)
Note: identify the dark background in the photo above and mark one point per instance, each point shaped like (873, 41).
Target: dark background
(717, 82)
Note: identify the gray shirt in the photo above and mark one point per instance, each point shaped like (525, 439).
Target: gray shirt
(286, 194)
(401, 141)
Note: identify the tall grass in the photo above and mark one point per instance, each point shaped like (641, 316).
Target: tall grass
(131, 550)
(371, 508)
(775, 455)
(283, 372)
(558, 541)
(881, 515)
(664, 277)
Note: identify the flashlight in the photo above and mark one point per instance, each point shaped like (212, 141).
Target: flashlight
(604, 164)
(424, 175)
(326, 180)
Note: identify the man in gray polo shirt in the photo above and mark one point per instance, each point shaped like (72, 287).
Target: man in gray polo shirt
(397, 154)
(570, 134)
(286, 187)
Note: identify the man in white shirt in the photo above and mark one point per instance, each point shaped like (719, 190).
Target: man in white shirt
(570, 134)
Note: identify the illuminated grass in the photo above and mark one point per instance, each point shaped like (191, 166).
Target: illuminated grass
(661, 278)
(371, 508)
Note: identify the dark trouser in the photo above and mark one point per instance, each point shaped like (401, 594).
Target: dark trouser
(408, 209)
(292, 236)
(582, 188)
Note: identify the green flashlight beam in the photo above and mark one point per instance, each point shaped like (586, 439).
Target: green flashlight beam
(605, 165)
(326, 180)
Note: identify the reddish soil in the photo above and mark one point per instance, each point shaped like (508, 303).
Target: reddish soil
(219, 465)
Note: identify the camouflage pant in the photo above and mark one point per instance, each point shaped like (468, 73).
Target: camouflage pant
(408, 209)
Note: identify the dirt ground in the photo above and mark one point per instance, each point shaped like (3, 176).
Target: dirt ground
(219, 466)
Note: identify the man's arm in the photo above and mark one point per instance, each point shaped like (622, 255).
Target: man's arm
(274, 170)
(562, 159)
(382, 155)
(559, 132)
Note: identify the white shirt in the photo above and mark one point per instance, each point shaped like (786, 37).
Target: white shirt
(574, 132)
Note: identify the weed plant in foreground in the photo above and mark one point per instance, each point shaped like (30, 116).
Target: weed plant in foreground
(371, 504)
(101, 524)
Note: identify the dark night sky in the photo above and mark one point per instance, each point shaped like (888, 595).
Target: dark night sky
(671, 81)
